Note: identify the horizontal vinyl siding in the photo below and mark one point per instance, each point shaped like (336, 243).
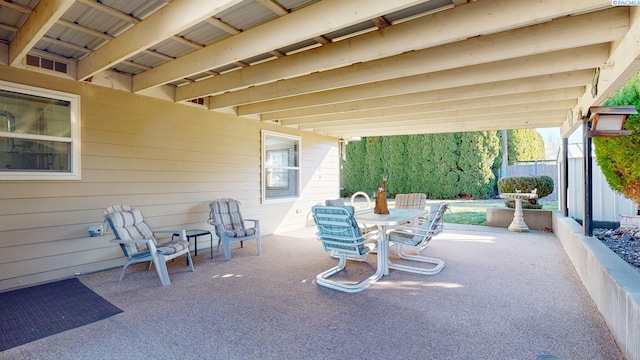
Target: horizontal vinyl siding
(167, 159)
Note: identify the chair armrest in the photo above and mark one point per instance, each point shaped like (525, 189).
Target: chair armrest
(124, 242)
(256, 222)
(182, 232)
(413, 230)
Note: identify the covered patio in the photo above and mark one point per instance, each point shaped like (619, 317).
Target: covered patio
(500, 296)
(170, 100)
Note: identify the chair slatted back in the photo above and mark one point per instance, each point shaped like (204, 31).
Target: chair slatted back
(411, 201)
(128, 223)
(422, 234)
(338, 229)
(433, 226)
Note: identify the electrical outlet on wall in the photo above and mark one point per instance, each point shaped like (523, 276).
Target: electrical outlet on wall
(95, 230)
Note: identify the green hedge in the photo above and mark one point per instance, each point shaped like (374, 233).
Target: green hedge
(443, 166)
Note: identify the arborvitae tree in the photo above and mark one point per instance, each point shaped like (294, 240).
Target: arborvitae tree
(445, 175)
(354, 167)
(440, 165)
(395, 154)
(415, 164)
(618, 157)
(375, 162)
(477, 154)
(525, 144)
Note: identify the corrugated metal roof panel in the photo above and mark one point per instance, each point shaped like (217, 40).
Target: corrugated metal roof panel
(6, 35)
(146, 59)
(296, 46)
(137, 8)
(204, 33)
(173, 48)
(425, 7)
(76, 37)
(61, 50)
(294, 5)
(350, 30)
(94, 19)
(246, 15)
(258, 58)
(13, 18)
(126, 68)
(226, 68)
(200, 76)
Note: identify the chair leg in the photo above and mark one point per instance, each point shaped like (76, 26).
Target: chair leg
(189, 261)
(161, 269)
(124, 268)
(258, 241)
(322, 278)
(438, 264)
(226, 247)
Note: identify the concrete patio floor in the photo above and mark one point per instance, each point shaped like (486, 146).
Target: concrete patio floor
(501, 295)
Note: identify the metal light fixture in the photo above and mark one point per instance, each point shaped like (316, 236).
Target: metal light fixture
(608, 121)
(601, 121)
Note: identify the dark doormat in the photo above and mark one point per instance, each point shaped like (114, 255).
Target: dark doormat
(36, 312)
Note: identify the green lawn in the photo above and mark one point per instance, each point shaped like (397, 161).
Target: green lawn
(470, 212)
(474, 212)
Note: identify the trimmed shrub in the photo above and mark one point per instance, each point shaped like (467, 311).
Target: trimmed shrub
(526, 184)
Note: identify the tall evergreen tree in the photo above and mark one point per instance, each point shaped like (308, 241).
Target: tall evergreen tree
(478, 151)
(395, 154)
(525, 144)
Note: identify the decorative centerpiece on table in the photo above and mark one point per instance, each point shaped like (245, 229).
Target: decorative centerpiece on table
(381, 199)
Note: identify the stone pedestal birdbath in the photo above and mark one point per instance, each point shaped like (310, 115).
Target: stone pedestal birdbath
(518, 223)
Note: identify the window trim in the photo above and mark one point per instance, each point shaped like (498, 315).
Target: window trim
(74, 172)
(264, 167)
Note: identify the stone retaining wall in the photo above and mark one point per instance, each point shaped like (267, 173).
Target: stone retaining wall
(535, 219)
(613, 284)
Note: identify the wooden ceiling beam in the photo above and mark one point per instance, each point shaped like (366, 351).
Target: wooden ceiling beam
(464, 93)
(555, 62)
(161, 25)
(44, 16)
(492, 102)
(327, 15)
(385, 54)
(493, 113)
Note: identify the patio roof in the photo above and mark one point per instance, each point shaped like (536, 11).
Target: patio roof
(343, 68)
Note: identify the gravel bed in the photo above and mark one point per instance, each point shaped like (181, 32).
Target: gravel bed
(623, 241)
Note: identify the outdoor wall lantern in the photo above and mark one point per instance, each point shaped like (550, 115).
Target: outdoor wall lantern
(608, 121)
(601, 121)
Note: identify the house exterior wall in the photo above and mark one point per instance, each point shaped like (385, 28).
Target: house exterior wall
(170, 160)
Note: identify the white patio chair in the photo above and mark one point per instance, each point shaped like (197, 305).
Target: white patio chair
(340, 235)
(417, 238)
(365, 196)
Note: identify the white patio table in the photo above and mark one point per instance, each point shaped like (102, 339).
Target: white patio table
(395, 217)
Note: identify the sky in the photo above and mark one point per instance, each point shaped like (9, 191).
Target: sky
(552, 140)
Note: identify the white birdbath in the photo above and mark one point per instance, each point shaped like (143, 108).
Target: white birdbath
(518, 223)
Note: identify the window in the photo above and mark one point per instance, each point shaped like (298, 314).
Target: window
(280, 166)
(39, 134)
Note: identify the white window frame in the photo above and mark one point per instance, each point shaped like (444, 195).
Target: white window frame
(265, 167)
(74, 139)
